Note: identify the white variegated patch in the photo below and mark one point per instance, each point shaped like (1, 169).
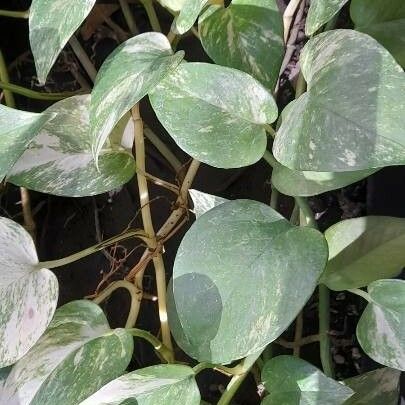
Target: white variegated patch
(77, 355)
(126, 76)
(353, 115)
(59, 159)
(320, 12)
(188, 15)
(51, 24)
(28, 295)
(381, 329)
(247, 35)
(215, 113)
(173, 5)
(163, 384)
(204, 202)
(17, 129)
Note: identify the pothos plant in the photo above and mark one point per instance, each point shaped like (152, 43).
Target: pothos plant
(243, 272)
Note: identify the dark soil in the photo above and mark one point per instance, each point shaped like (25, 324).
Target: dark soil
(67, 225)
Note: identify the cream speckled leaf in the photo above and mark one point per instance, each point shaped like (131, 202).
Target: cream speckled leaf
(362, 250)
(215, 113)
(203, 202)
(293, 381)
(247, 35)
(320, 12)
(188, 15)
(383, 20)
(59, 160)
(52, 23)
(353, 115)
(76, 356)
(168, 384)
(306, 184)
(126, 76)
(375, 387)
(17, 129)
(381, 328)
(174, 5)
(241, 243)
(28, 295)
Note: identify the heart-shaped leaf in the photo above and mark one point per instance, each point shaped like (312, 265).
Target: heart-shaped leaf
(292, 381)
(188, 15)
(362, 250)
(52, 23)
(381, 328)
(216, 114)
(204, 202)
(241, 243)
(375, 387)
(28, 294)
(247, 35)
(166, 384)
(127, 75)
(384, 21)
(351, 118)
(17, 129)
(306, 184)
(320, 12)
(76, 356)
(59, 160)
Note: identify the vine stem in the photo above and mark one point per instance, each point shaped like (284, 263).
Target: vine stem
(140, 234)
(8, 95)
(237, 380)
(15, 14)
(135, 300)
(129, 18)
(150, 11)
(36, 94)
(237, 370)
(361, 293)
(139, 143)
(83, 58)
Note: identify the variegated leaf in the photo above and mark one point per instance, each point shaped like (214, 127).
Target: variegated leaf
(126, 76)
(383, 20)
(241, 243)
(204, 202)
(52, 23)
(375, 387)
(59, 160)
(293, 381)
(353, 115)
(215, 113)
(17, 129)
(76, 356)
(320, 12)
(28, 295)
(188, 15)
(381, 328)
(247, 35)
(167, 384)
(173, 5)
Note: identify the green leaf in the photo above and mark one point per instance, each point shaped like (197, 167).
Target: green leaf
(52, 23)
(384, 21)
(215, 114)
(17, 129)
(292, 381)
(351, 118)
(188, 15)
(306, 184)
(375, 387)
(320, 12)
(204, 202)
(167, 384)
(241, 243)
(247, 35)
(76, 356)
(381, 328)
(362, 250)
(59, 159)
(127, 75)
(28, 295)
